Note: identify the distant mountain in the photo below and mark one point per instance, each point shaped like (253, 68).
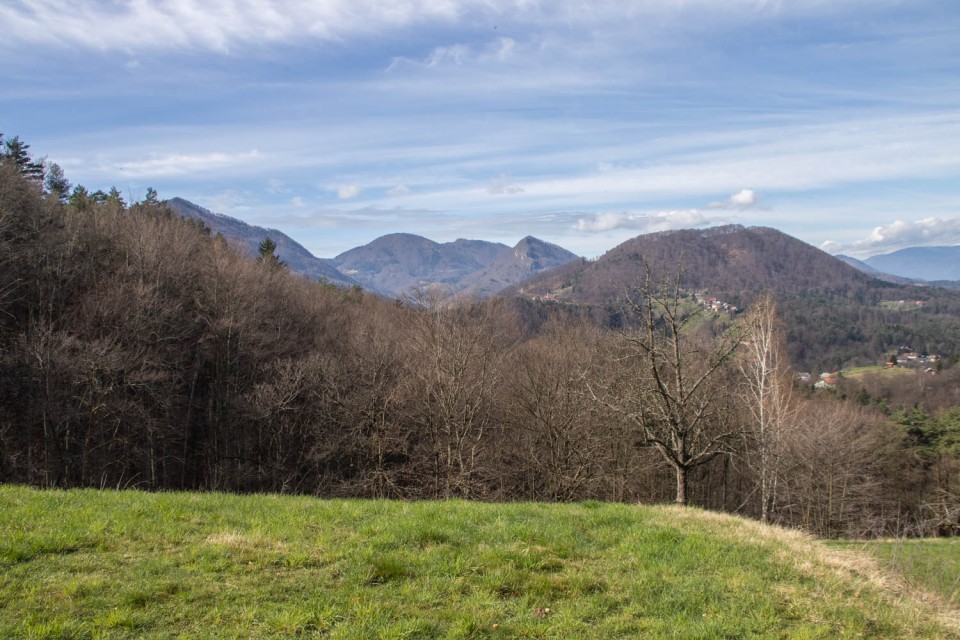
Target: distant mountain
(398, 262)
(238, 232)
(865, 268)
(834, 314)
(925, 263)
(733, 260)
(529, 257)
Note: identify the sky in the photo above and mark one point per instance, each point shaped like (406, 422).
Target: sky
(583, 123)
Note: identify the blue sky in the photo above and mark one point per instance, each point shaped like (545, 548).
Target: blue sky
(582, 123)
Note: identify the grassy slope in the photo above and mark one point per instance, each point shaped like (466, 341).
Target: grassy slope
(88, 564)
(930, 564)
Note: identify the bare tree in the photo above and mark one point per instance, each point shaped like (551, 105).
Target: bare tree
(674, 383)
(837, 458)
(455, 363)
(557, 439)
(768, 396)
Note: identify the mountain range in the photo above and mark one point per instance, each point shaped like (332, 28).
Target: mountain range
(838, 310)
(731, 261)
(394, 264)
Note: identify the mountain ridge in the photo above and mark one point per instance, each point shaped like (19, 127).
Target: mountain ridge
(248, 236)
(920, 263)
(396, 263)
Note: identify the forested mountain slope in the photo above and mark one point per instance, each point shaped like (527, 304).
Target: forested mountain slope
(288, 250)
(833, 312)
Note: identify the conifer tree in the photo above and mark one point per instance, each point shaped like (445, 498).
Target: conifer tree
(57, 183)
(266, 253)
(15, 150)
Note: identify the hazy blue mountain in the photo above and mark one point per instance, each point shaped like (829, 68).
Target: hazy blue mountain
(240, 233)
(529, 257)
(399, 262)
(925, 263)
(865, 268)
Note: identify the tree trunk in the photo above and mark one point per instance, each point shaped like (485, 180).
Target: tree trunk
(681, 485)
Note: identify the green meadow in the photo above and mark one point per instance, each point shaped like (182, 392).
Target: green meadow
(931, 565)
(104, 564)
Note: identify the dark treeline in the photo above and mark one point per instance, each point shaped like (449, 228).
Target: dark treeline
(136, 350)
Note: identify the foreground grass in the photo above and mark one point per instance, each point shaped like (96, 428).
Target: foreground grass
(88, 564)
(931, 564)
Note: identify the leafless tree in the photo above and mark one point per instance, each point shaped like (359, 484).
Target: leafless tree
(768, 397)
(674, 380)
(455, 358)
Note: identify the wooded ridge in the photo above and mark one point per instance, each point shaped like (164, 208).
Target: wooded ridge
(139, 350)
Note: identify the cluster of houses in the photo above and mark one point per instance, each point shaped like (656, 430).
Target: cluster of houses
(913, 360)
(902, 358)
(712, 303)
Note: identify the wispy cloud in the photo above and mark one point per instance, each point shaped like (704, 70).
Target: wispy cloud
(227, 24)
(496, 116)
(901, 234)
(645, 222)
(398, 190)
(743, 199)
(502, 184)
(180, 164)
(348, 191)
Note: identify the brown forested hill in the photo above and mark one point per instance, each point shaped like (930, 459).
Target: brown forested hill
(833, 312)
(733, 261)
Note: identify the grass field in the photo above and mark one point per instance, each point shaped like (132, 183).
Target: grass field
(929, 564)
(89, 564)
(887, 372)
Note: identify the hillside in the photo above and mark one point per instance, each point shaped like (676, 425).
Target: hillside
(288, 250)
(833, 312)
(732, 261)
(529, 257)
(111, 565)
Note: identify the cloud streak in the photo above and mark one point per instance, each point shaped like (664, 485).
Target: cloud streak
(159, 166)
(901, 234)
(224, 25)
(645, 222)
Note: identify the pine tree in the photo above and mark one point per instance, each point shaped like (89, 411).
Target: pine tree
(57, 183)
(15, 150)
(80, 198)
(114, 197)
(267, 253)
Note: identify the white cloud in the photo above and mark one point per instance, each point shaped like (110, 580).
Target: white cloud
(224, 25)
(743, 199)
(181, 164)
(646, 222)
(505, 48)
(298, 202)
(901, 234)
(399, 190)
(503, 185)
(348, 191)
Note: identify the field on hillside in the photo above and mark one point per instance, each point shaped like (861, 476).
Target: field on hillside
(90, 564)
(932, 564)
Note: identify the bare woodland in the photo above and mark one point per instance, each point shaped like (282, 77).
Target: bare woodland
(137, 351)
